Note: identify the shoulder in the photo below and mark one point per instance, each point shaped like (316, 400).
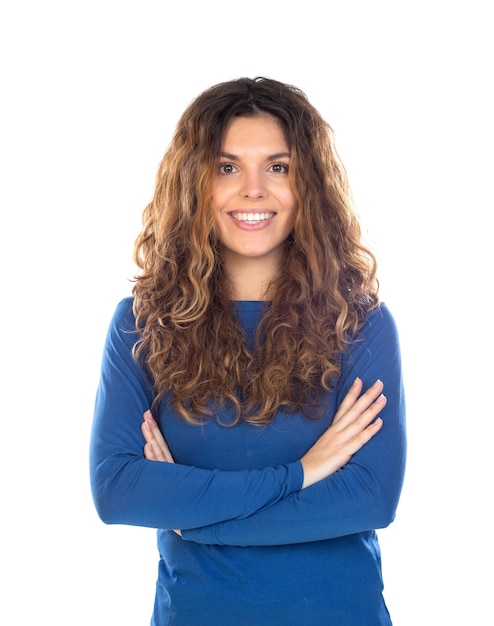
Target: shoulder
(374, 351)
(123, 324)
(378, 334)
(124, 313)
(379, 320)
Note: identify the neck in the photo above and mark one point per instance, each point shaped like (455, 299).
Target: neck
(250, 279)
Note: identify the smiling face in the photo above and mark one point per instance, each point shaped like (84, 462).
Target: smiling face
(254, 204)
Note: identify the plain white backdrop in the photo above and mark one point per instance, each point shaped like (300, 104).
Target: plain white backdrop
(91, 92)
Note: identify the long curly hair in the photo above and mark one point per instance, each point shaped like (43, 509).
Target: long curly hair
(190, 337)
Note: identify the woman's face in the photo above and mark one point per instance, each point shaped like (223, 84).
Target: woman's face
(254, 204)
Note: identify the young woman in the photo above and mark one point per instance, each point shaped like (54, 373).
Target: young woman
(251, 403)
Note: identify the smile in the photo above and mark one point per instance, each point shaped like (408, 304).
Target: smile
(252, 218)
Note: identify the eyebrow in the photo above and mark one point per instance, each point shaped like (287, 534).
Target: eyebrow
(271, 157)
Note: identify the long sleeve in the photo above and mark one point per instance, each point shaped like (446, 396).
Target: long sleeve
(128, 489)
(364, 494)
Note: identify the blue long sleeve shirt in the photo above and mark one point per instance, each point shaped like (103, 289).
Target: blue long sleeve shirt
(255, 548)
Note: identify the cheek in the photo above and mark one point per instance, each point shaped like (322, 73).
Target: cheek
(292, 205)
(289, 198)
(218, 224)
(219, 196)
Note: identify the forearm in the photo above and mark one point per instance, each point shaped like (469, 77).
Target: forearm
(165, 495)
(364, 494)
(352, 500)
(128, 489)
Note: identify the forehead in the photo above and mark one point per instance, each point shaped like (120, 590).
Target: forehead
(258, 129)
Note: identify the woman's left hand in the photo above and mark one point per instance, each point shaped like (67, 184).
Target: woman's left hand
(156, 448)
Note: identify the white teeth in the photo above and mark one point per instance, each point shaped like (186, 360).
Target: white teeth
(252, 217)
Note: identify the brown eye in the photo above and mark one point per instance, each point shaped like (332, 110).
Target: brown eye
(279, 168)
(226, 168)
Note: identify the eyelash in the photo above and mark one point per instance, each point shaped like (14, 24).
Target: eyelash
(283, 166)
(223, 166)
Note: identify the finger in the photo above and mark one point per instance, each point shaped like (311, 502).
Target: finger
(158, 444)
(152, 449)
(149, 452)
(362, 418)
(350, 428)
(368, 397)
(349, 400)
(364, 436)
(361, 404)
(357, 433)
(153, 435)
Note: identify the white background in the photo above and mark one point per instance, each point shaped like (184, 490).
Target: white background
(90, 94)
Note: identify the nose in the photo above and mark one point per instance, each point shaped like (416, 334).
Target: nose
(253, 186)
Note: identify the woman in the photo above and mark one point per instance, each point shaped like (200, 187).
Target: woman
(241, 408)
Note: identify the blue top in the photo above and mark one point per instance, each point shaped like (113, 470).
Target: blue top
(255, 548)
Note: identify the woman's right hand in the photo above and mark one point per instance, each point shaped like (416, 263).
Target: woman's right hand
(353, 426)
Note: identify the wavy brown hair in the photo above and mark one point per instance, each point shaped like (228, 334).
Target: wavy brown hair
(190, 337)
